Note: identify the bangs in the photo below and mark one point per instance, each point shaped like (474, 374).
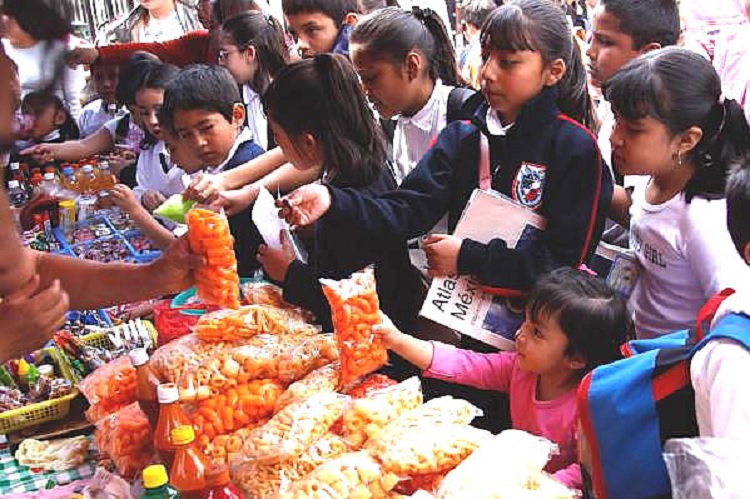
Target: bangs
(507, 29)
(636, 92)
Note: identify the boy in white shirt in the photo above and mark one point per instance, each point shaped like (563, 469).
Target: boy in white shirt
(718, 371)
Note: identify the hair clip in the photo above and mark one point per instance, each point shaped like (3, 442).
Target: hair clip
(420, 13)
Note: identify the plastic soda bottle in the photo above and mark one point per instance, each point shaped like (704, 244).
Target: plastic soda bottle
(156, 482)
(146, 383)
(171, 416)
(219, 485)
(189, 467)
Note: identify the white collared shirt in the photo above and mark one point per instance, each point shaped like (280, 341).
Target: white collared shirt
(150, 174)
(495, 124)
(414, 134)
(256, 117)
(244, 136)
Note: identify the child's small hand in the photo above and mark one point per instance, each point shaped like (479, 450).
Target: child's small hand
(152, 200)
(386, 332)
(236, 201)
(125, 198)
(205, 188)
(442, 254)
(43, 153)
(276, 262)
(305, 205)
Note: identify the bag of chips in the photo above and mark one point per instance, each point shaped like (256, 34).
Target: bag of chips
(109, 388)
(321, 380)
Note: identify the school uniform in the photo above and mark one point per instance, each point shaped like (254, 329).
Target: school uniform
(156, 172)
(255, 117)
(545, 161)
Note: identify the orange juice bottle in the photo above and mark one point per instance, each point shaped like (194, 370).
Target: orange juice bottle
(189, 468)
(106, 179)
(171, 416)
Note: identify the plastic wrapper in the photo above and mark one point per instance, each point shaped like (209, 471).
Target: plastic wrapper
(125, 437)
(293, 429)
(352, 475)
(370, 384)
(217, 281)
(11, 398)
(426, 449)
(514, 460)
(236, 408)
(263, 481)
(109, 388)
(364, 418)
(321, 380)
(706, 467)
(175, 208)
(246, 322)
(438, 411)
(226, 448)
(425, 482)
(355, 310)
(53, 455)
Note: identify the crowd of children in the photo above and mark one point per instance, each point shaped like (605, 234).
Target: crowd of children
(376, 136)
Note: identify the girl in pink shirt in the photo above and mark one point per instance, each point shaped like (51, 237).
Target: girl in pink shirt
(574, 323)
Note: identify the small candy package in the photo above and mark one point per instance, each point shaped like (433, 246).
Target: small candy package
(109, 388)
(217, 281)
(321, 380)
(352, 475)
(125, 437)
(355, 310)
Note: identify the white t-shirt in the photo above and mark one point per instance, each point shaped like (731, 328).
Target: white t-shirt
(93, 116)
(134, 136)
(413, 135)
(718, 372)
(150, 172)
(687, 256)
(256, 117)
(36, 69)
(158, 30)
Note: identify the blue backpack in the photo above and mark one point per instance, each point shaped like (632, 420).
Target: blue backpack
(630, 408)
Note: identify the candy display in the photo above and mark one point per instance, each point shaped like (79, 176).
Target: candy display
(108, 250)
(109, 388)
(125, 437)
(355, 309)
(209, 235)
(78, 320)
(32, 379)
(140, 242)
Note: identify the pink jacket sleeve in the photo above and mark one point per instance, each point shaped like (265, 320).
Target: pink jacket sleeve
(570, 476)
(481, 370)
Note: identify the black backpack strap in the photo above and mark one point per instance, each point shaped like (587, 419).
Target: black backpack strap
(456, 100)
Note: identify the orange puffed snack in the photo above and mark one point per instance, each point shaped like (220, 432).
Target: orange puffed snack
(241, 324)
(125, 437)
(217, 281)
(236, 408)
(109, 388)
(355, 310)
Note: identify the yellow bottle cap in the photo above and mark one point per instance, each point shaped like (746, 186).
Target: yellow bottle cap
(182, 435)
(155, 476)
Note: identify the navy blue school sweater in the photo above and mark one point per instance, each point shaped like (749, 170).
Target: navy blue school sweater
(546, 161)
(335, 254)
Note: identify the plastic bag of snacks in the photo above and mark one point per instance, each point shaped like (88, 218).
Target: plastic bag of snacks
(514, 460)
(356, 474)
(293, 429)
(438, 411)
(217, 281)
(125, 437)
(263, 481)
(365, 417)
(244, 323)
(355, 310)
(309, 355)
(426, 482)
(236, 408)
(226, 448)
(427, 448)
(264, 293)
(321, 380)
(109, 388)
(370, 384)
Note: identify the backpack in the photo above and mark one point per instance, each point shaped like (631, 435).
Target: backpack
(630, 408)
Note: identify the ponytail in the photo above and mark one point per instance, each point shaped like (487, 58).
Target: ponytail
(391, 33)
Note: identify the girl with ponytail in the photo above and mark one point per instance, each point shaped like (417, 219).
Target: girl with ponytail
(674, 124)
(322, 123)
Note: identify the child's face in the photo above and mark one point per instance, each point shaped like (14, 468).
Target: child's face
(610, 48)
(149, 102)
(105, 80)
(314, 32)
(208, 135)
(385, 84)
(180, 154)
(242, 64)
(304, 153)
(512, 78)
(541, 346)
(46, 121)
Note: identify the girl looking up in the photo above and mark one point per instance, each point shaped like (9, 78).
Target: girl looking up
(673, 125)
(253, 49)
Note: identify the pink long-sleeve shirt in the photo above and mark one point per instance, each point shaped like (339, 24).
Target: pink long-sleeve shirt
(555, 420)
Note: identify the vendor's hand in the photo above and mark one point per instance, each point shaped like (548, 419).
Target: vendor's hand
(205, 188)
(29, 316)
(442, 254)
(305, 205)
(238, 200)
(174, 270)
(124, 197)
(386, 331)
(152, 200)
(276, 261)
(81, 55)
(42, 153)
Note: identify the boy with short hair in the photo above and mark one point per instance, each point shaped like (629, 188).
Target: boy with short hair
(722, 402)
(321, 26)
(104, 108)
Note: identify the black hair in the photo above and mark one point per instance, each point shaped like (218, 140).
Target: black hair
(266, 35)
(334, 9)
(738, 203)
(365, 7)
(322, 96)
(38, 101)
(132, 75)
(391, 33)
(646, 21)
(225, 9)
(158, 77)
(475, 12)
(681, 89)
(541, 26)
(43, 20)
(200, 86)
(591, 314)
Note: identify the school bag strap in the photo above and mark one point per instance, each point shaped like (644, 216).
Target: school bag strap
(708, 311)
(485, 178)
(457, 99)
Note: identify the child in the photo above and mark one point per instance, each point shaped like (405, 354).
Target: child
(254, 51)
(408, 70)
(322, 122)
(321, 26)
(530, 69)
(674, 125)
(99, 111)
(721, 404)
(471, 15)
(574, 323)
(203, 109)
(53, 123)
